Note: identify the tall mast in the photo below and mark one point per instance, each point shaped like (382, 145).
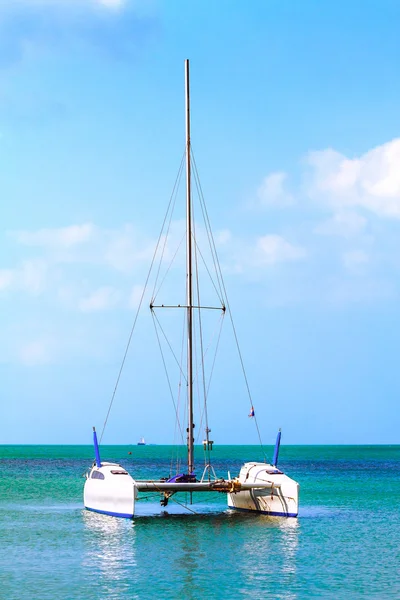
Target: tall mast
(189, 291)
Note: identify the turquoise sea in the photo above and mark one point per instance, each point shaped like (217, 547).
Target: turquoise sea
(345, 543)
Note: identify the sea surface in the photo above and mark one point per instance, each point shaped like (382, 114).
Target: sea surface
(344, 544)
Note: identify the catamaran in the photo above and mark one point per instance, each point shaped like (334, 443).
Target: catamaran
(260, 487)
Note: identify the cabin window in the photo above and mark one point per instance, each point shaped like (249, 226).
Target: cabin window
(97, 475)
(119, 472)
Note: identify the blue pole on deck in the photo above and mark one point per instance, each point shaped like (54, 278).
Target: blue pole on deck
(96, 448)
(276, 451)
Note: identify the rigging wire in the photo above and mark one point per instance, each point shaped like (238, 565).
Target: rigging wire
(169, 345)
(207, 223)
(173, 195)
(138, 309)
(221, 279)
(178, 460)
(183, 505)
(167, 271)
(205, 412)
(196, 377)
(222, 293)
(166, 373)
(216, 350)
(214, 360)
(208, 271)
(195, 336)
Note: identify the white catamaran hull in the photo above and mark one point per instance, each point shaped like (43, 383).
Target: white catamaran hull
(280, 500)
(110, 490)
(261, 488)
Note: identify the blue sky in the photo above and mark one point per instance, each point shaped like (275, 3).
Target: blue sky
(296, 134)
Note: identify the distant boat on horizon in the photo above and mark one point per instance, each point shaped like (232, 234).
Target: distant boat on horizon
(141, 442)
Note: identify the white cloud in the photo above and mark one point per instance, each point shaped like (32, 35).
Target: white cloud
(135, 296)
(63, 237)
(272, 191)
(112, 4)
(342, 224)
(223, 237)
(6, 278)
(30, 276)
(102, 299)
(273, 249)
(363, 290)
(123, 249)
(36, 352)
(69, 261)
(371, 181)
(31, 29)
(355, 259)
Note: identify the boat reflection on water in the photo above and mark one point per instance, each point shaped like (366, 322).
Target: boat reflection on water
(110, 552)
(272, 546)
(289, 545)
(172, 555)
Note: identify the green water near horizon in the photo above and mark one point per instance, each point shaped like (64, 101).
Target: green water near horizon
(345, 543)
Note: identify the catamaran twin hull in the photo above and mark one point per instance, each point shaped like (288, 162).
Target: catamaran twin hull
(260, 487)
